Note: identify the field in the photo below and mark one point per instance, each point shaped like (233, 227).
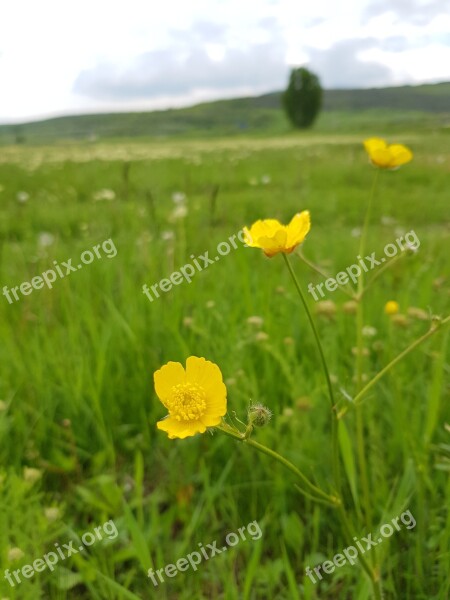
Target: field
(78, 405)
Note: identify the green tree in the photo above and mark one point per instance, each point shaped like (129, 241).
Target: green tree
(302, 99)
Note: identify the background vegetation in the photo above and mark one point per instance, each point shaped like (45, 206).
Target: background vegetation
(423, 107)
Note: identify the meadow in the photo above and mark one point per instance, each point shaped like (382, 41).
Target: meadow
(78, 411)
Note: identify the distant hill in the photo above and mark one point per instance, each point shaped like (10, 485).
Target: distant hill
(343, 109)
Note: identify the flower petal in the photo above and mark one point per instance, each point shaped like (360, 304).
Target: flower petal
(208, 376)
(400, 155)
(180, 429)
(381, 158)
(167, 377)
(298, 228)
(275, 244)
(261, 229)
(211, 420)
(372, 144)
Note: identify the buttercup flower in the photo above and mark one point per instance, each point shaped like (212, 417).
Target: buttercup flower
(273, 237)
(195, 397)
(387, 157)
(391, 308)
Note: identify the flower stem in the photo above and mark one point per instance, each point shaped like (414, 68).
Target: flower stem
(362, 243)
(362, 461)
(334, 420)
(358, 398)
(318, 270)
(313, 327)
(371, 572)
(410, 348)
(234, 433)
(379, 272)
(322, 499)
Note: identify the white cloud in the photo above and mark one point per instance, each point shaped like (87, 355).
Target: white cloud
(146, 54)
(343, 65)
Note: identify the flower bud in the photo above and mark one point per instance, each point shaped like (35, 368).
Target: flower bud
(15, 554)
(391, 308)
(350, 307)
(418, 313)
(255, 320)
(259, 415)
(400, 320)
(326, 308)
(31, 475)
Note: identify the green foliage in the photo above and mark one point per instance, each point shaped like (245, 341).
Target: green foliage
(302, 99)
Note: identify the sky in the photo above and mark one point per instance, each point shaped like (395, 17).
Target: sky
(65, 57)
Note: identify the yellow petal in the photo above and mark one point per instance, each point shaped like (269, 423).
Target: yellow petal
(298, 229)
(262, 229)
(381, 158)
(275, 244)
(208, 376)
(374, 143)
(400, 155)
(180, 429)
(167, 377)
(211, 420)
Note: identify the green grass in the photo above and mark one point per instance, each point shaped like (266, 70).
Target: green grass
(77, 364)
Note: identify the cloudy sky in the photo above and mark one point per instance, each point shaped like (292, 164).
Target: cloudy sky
(66, 57)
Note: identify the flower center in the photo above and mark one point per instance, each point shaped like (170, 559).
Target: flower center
(187, 402)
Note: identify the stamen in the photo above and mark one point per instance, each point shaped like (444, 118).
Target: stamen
(187, 402)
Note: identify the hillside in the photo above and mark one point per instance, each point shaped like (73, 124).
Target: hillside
(394, 108)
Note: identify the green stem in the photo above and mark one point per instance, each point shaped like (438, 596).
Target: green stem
(315, 268)
(362, 243)
(378, 376)
(375, 276)
(313, 327)
(361, 451)
(372, 574)
(237, 435)
(334, 421)
(362, 460)
(358, 398)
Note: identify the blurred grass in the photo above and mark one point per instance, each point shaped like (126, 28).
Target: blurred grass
(78, 359)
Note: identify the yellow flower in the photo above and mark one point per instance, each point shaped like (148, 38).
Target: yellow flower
(195, 397)
(391, 307)
(387, 157)
(273, 237)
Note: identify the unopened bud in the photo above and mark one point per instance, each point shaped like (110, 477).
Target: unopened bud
(350, 307)
(400, 320)
(259, 415)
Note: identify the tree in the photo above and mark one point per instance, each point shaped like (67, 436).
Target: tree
(302, 99)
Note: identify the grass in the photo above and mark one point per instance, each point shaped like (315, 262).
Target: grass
(78, 359)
